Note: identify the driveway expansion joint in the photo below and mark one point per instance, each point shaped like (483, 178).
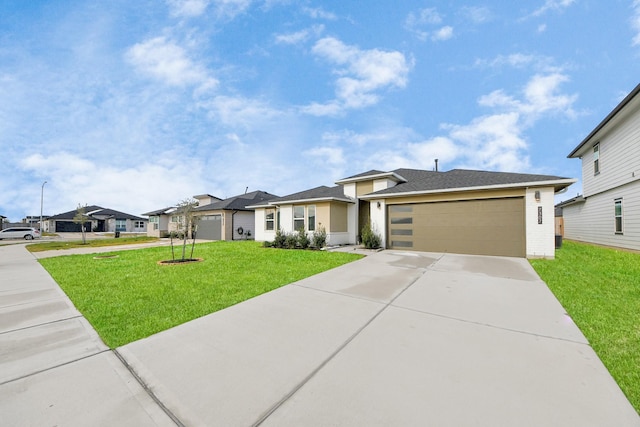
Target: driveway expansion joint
(148, 390)
(489, 325)
(43, 324)
(338, 350)
(31, 374)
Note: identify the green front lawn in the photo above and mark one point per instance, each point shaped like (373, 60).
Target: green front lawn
(600, 289)
(130, 297)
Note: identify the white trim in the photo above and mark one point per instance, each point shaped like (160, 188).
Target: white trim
(397, 177)
(567, 181)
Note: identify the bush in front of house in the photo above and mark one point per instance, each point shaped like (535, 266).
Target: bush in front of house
(319, 238)
(370, 239)
(302, 239)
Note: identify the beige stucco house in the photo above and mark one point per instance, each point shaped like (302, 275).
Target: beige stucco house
(460, 211)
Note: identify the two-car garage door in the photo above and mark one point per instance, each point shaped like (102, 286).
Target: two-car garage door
(479, 227)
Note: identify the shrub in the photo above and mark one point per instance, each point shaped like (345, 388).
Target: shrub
(280, 240)
(370, 239)
(291, 241)
(303, 239)
(266, 244)
(319, 238)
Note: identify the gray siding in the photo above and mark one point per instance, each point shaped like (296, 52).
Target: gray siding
(619, 157)
(246, 221)
(593, 221)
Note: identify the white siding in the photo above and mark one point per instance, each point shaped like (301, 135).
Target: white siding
(261, 234)
(540, 238)
(593, 220)
(619, 158)
(378, 220)
(383, 184)
(286, 218)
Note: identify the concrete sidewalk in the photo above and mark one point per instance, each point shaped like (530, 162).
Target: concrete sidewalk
(393, 339)
(54, 369)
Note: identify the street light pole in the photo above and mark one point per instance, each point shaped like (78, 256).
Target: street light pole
(41, 201)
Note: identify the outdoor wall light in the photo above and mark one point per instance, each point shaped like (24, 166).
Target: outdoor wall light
(378, 205)
(537, 196)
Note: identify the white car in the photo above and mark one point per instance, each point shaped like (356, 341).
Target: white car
(27, 233)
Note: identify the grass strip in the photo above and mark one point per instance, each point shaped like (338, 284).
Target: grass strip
(58, 245)
(132, 297)
(600, 289)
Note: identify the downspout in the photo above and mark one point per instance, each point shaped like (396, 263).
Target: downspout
(233, 226)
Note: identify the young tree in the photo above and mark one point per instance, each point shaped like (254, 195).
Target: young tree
(81, 218)
(186, 214)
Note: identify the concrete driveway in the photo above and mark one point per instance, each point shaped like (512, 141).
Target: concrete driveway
(393, 339)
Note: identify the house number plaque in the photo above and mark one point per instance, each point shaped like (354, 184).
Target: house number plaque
(539, 214)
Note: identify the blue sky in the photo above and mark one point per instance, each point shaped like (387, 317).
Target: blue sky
(136, 105)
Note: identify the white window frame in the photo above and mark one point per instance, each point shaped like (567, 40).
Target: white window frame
(297, 217)
(618, 224)
(596, 158)
(272, 220)
(311, 219)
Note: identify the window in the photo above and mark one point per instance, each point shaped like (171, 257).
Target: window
(139, 224)
(121, 225)
(311, 217)
(154, 219)
(269, 222)
(618, 215)
(298, 217)
(596, 159)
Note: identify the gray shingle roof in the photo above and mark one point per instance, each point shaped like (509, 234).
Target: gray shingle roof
(97, 211)
(239, 202)
(418, 181)
(322, 192)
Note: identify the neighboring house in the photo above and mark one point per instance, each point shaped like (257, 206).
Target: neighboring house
(34, 221)
(459, 211)
(159, 221)
(229, 219)
(608, 211)
(164, 221)
(2, 221)
(99, 219)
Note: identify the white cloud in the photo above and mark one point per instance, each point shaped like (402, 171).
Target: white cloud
(442, 148)
(166, 61)
(540, 95)
(476, 14)
(519, 60)
(553, 6)
(319, 13)
(428, 17)
(241, 112)
(327, 155)
(362, 74)
(299, 36)
(444, 33)
(494, 141)
(187, 8)
(635, 22)
(230, 8)
(132, 189)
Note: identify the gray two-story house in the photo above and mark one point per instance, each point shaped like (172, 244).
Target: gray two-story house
(608, 211)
